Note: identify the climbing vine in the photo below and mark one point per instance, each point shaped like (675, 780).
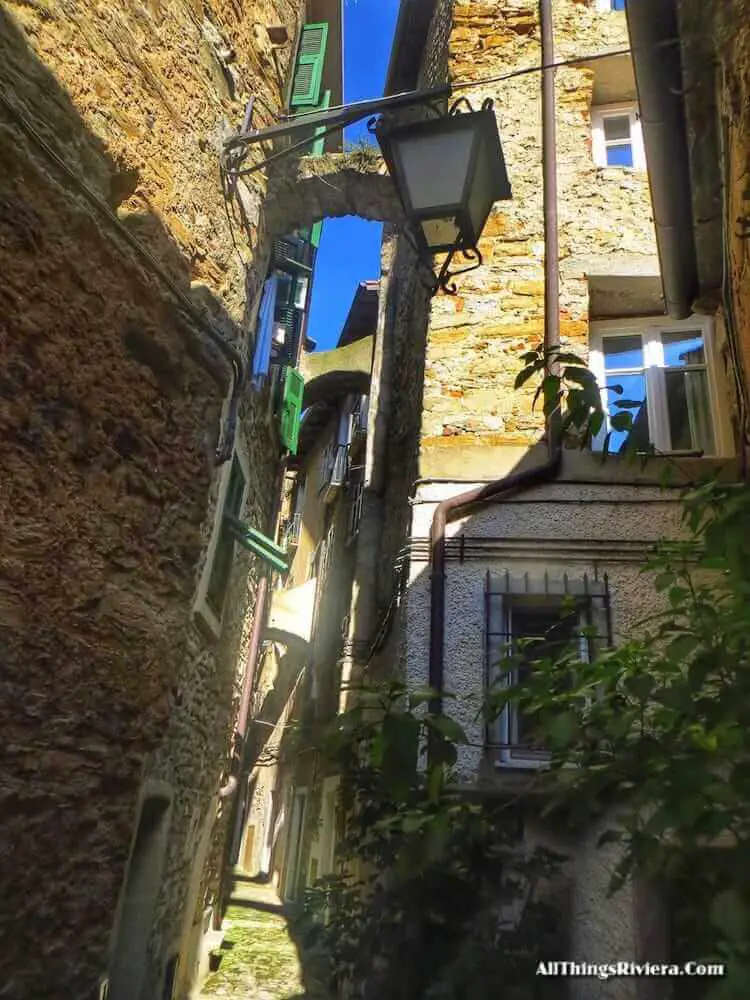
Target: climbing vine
(437, 899)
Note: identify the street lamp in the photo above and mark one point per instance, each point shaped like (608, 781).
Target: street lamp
(448, 172)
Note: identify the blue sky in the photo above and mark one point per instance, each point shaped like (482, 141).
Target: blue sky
(350, 247)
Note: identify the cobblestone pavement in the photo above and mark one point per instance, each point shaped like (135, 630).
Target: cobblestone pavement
(259, 958)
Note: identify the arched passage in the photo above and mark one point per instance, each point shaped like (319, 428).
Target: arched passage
(302, 191)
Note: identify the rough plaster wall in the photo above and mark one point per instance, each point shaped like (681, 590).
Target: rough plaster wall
(477, 337)
(106, 417)
(601, 929)
(638, 515)
(732, 33)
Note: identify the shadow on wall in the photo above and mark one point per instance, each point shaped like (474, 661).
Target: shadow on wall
(109, 407)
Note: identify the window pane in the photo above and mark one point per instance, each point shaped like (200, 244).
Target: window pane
(557, 628)
(616, 127)
(689, 411)
(683, 349)
(620, 156)
(284, 288)
(622, 352)
(634, 389)
(617, 4)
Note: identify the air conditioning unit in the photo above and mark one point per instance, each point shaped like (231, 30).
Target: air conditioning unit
(333, 470)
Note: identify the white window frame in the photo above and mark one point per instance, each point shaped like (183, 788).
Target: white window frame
(650, 330)
(200, 605)
(599, 143)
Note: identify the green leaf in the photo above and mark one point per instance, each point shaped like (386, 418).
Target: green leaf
(447, 727)
(682, 647)
(421, 695)
(596, 423)
(562, 729)
(400, 735)
(728, 915)
(627, 404)
(526, 373)
(621, 421)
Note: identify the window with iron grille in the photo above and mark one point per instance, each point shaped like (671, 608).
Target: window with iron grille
(528, 620)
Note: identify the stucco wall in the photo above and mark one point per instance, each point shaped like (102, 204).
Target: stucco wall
(109, 408)
(601, 529)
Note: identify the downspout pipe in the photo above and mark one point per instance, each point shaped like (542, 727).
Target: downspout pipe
(654, 38)
(458, 506)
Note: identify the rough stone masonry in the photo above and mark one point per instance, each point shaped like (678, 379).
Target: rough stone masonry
(109, 405)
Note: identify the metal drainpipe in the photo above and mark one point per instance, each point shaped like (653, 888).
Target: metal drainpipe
(456, 507)
(654, 30)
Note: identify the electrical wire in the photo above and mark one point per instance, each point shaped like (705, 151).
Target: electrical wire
(469, 84)
(231, 354)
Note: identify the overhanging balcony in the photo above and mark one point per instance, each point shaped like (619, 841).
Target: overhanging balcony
(290, 619)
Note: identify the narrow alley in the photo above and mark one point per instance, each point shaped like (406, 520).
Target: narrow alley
(258, 957)
(374, 502)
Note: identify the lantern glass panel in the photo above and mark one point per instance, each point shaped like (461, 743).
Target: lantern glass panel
(440, 232)
(435, 167)
(482, 193)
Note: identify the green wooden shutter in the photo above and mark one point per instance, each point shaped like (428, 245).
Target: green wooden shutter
(315, 232)
(291, 409)
(317, 147)
(257, 543)
(308, 72)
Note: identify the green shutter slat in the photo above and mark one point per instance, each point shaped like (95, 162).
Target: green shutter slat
(318, 145)
(291, 409)
(257, 543)
(308, 72)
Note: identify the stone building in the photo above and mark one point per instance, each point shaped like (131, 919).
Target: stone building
(289, 829)
(135, 306)
(446, 421)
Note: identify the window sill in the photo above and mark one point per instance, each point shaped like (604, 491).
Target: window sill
(206, 622)
(511, 763)
(588, 467)
(605, 169)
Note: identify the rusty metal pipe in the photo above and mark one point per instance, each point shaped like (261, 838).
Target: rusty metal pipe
(458, 506)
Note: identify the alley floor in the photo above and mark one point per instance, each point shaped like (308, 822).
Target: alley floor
(259, 959)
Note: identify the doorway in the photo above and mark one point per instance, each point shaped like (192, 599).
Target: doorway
(129, 966)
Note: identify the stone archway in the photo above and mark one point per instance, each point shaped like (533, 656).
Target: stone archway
(302, 191)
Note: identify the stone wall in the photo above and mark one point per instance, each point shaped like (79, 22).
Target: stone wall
(109, 407)
(476, 337)
(732, 35)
